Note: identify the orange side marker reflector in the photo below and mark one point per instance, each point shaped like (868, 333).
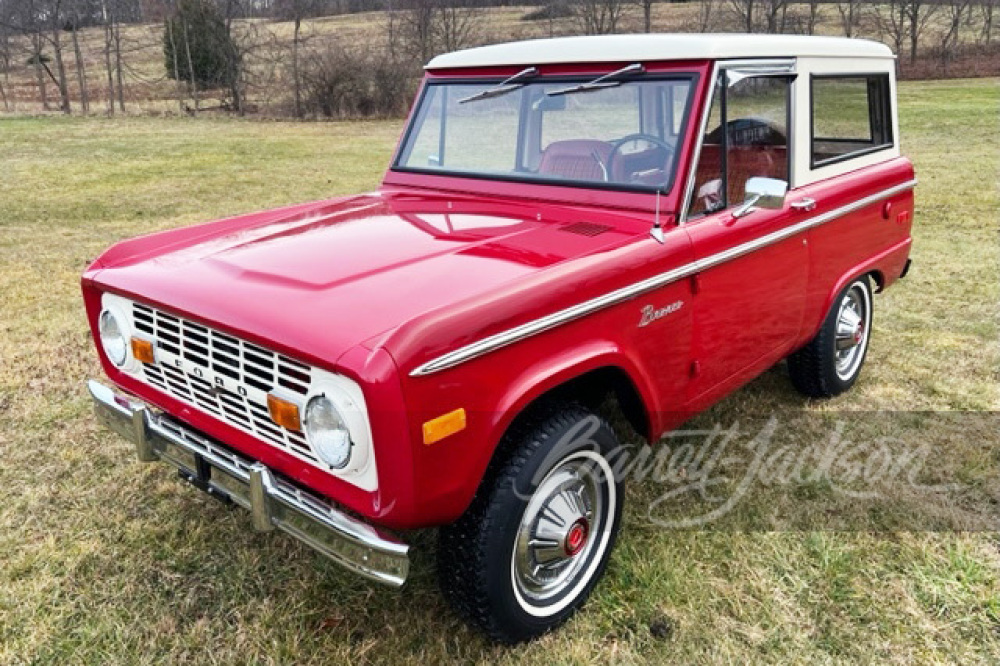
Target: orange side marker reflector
(447, 424)
(284, 413)
(142, 350)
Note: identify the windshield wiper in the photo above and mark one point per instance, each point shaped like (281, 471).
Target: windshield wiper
(607, 81)
(507, 85)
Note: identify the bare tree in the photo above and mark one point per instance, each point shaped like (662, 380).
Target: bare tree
(812, 18)
(775, 14)
(7, 20)
(891, 20)
(744, 12)
(850, 15)
(417, 28)
(760, 15)
(391, 30)
(296, 78)
(599, 17)
(234, 60)
(175, 60)
(38, 60)
(297, 11)
(76, 15)
(956, 14)
(904, 22)
(190, 67)
(706, 15)
(55, 16)
(4, 64)
(253, 42)
(119, 64)
(107, 22)
(918, 14)
(985, 20)
(426, 27)
(647, 14)
(6, 27)
(455, 25)
(28, 22)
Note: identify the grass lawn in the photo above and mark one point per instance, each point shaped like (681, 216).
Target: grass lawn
(106, 560)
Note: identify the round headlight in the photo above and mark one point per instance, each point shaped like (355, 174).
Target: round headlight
(327, 432)
(112, 338)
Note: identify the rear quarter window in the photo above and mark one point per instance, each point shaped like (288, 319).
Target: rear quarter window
(851, 116)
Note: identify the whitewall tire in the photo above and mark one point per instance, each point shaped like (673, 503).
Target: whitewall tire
(539, 533)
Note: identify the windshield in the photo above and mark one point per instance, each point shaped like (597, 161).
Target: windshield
(622, 134)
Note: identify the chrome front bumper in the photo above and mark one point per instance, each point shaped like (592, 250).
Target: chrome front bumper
(272, 501)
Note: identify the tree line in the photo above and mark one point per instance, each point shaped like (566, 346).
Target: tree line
(240, 55)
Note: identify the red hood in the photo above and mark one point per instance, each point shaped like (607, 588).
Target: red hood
(320, 278)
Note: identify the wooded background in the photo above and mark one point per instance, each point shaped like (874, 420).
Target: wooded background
(362, 58)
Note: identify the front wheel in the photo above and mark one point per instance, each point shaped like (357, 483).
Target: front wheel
(831, 362)
(538, 535)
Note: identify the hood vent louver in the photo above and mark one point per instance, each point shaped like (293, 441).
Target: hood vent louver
(585, 229)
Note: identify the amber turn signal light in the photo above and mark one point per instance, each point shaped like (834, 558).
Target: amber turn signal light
(447, 424)
(142, 350)
(284, 413)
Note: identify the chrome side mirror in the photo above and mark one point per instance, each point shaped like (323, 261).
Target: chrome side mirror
(762, 193)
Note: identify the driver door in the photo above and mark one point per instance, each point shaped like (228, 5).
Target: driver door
(748, 301)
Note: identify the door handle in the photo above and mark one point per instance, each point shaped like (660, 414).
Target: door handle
(806, 204)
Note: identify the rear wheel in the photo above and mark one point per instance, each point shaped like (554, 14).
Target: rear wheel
(831, 362)
(538, 535)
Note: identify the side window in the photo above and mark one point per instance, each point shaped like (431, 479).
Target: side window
(746, 137)
(850, 117)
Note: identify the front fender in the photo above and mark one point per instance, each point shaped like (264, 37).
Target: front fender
(541, 377)
(493, 390)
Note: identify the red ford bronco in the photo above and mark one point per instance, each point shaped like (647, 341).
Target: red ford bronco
(660, 218)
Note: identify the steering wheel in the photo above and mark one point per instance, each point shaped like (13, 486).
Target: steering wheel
(749, 132)
(655, 162)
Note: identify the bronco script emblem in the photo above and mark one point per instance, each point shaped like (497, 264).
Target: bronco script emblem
(651, 314)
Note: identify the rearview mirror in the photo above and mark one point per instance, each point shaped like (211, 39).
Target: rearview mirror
(762, 193)
(547, 103)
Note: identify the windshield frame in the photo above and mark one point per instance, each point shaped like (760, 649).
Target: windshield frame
(693, 77)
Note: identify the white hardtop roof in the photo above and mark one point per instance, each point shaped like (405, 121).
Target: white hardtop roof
(653, 47)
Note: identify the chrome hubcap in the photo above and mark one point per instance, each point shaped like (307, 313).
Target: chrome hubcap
(556, 537)
(852, 332)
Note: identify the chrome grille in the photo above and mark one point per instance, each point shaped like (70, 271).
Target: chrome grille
(189, 355)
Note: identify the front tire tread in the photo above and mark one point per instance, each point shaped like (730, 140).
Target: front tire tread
(463, 546)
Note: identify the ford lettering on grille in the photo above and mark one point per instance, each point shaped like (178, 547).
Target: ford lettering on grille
(225, 376)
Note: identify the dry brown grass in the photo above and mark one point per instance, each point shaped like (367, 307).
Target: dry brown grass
(104, 560)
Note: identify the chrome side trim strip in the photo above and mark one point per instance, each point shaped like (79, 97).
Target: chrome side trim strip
(537, 326)
(534, 327)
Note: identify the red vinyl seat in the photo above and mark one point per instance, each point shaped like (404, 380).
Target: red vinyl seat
(743, 162)
(576, 159)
